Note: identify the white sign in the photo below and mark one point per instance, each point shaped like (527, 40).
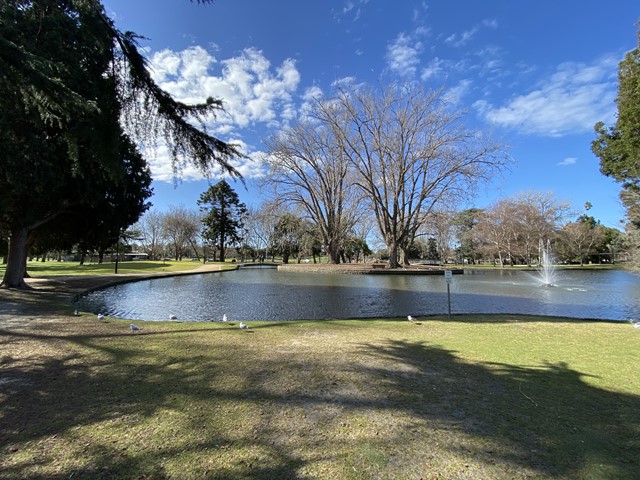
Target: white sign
(448, 275)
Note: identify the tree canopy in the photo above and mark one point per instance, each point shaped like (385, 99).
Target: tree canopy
(75, 96)
(618, 147)
(223, 216)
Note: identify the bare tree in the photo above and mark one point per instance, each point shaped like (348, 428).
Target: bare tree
(150, 227)
(411, 151)
(439, 227)
(181, 228)
(309, 170)
(538, 217)
(581, 237)
(496, 231)
(513, 227)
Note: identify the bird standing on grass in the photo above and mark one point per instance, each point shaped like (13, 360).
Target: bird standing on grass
(410, 318)
(244, 326)
(134, 328)
(100, 317)
(172, 317)
(224, 318)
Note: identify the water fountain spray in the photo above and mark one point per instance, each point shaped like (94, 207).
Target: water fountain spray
(546, 267)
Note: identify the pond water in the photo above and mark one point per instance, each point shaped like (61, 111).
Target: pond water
(267, 294)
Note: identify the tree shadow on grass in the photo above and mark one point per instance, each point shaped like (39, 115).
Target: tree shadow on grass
(545, 418)
(151, 409)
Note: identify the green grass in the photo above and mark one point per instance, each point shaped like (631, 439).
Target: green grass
(49, 268)
(479, 397)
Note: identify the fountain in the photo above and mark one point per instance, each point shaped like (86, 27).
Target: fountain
(546, 269)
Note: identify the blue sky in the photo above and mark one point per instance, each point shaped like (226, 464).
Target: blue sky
(538, 74)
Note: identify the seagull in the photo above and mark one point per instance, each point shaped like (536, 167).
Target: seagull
(410, 318)
(134, 328)
(172, 317)
(100, 317)
(76, 312)
(244, 326)
(224, 318)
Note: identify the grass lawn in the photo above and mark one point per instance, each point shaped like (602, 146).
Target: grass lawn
(475, 398)
(49, 268)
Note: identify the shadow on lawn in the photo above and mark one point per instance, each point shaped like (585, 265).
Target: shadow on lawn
(544, 418)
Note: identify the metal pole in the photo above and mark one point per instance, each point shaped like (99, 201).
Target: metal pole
(449, 301)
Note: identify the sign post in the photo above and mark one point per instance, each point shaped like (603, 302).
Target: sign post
(448, 277)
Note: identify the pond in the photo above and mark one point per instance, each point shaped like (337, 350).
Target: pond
(268, 294)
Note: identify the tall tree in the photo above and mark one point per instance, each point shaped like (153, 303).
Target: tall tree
(618, 147)
(70, 84)
(223, 216)
(309, 169)
(411, 152)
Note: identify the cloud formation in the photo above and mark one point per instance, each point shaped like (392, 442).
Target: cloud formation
(568, 161)
(571, 100)
(403, 55)
(253, 92)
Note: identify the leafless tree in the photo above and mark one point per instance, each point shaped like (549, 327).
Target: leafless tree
(150, 227)
(410, 151)
(538, 216)
(439, 226)
(581, 237)
(181, 228)
(496, 233)
(512, 228)
(309, 170)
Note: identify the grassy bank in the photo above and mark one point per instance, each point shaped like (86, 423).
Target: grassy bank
(49, 268)
(477, 398)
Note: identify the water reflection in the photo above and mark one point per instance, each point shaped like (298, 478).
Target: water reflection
(261, 294)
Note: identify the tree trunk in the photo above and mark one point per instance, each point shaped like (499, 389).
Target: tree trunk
(393, 255)
(17, 260)
(404, 257)
(333, 252)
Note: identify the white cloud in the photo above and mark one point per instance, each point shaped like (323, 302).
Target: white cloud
(454, 95)
(162, 170)
(571, 100)
(461, 39)
(568, 161)
(436, 68)
(252, 90)
(403, 55)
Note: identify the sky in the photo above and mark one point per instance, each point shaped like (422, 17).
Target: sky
(536, 74)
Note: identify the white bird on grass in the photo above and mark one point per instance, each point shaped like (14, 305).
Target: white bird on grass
(101, 317)
(76, 312)
(635, 323)
(172, 317)
(410, 318)
(224, 318)
(134, 328)
(244, 326)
